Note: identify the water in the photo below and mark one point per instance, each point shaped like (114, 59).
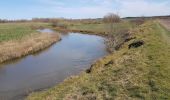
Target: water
(73, 54)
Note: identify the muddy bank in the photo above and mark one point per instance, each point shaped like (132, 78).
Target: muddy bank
(15, 49)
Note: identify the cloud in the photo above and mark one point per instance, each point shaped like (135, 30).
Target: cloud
(98, 8)
(77, 8)
(81, 12)
(143, 8)
(83, 8)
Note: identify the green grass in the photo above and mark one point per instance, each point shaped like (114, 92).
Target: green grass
(98, 27)
(128, 74)
(158, 54)
(16, 31)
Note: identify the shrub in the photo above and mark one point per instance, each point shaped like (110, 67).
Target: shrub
(112, 18)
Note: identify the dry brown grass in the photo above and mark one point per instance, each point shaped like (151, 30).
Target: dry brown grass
(17, 48)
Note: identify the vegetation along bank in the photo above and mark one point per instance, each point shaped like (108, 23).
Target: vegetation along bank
(137, 69)
(20, 39)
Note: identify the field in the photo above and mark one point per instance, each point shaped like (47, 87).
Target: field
(20, 39)
(16, 31)
(98, 28)
(134, 72)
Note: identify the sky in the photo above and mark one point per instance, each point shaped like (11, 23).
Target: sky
(27, 9)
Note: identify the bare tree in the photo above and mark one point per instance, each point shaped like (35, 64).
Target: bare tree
(111, 19)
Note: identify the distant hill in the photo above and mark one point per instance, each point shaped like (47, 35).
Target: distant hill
(150, 17)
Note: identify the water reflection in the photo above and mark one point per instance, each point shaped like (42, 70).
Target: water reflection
(74, 53)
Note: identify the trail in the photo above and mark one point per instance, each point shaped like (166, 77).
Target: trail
(165, 23)
(165, 34)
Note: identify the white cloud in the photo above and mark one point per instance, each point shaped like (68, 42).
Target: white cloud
(143, 8)
(98, 8)
(79, 12)
(62, 9)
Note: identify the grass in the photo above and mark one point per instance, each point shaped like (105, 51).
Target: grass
(27, 45)
(16, 31)
(20, 39)
(128, 74)
(98, 28)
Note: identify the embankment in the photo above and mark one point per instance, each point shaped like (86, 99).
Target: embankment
(139, 69)
(33, 43)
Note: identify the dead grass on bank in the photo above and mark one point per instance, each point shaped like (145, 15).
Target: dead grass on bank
(17, 48)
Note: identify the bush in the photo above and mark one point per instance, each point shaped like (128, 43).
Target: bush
(112, 18)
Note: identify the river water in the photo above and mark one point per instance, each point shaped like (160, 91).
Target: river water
(73, 54)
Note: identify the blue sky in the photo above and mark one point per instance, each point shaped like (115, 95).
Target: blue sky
(26, 9)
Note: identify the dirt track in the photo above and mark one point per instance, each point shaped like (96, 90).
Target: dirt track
(165, 35)
(165, 23)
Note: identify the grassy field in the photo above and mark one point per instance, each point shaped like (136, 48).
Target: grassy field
(16, 31)
(20, 39)
(96, 28)
(127, 74)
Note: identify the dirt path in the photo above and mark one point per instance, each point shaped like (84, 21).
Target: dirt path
(165, 23)
(165, 34)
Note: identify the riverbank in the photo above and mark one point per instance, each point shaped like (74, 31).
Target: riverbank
(120, 31)
(27, 45)
(99, 28)
(20, 39)
(50, 66)
(137, 70)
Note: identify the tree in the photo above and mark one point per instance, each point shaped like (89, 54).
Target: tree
(111, 19)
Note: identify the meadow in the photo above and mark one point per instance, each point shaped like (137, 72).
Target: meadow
(20, 39)
(97, 27)
(16, 31)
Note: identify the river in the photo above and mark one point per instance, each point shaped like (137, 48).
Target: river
(42, 70)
